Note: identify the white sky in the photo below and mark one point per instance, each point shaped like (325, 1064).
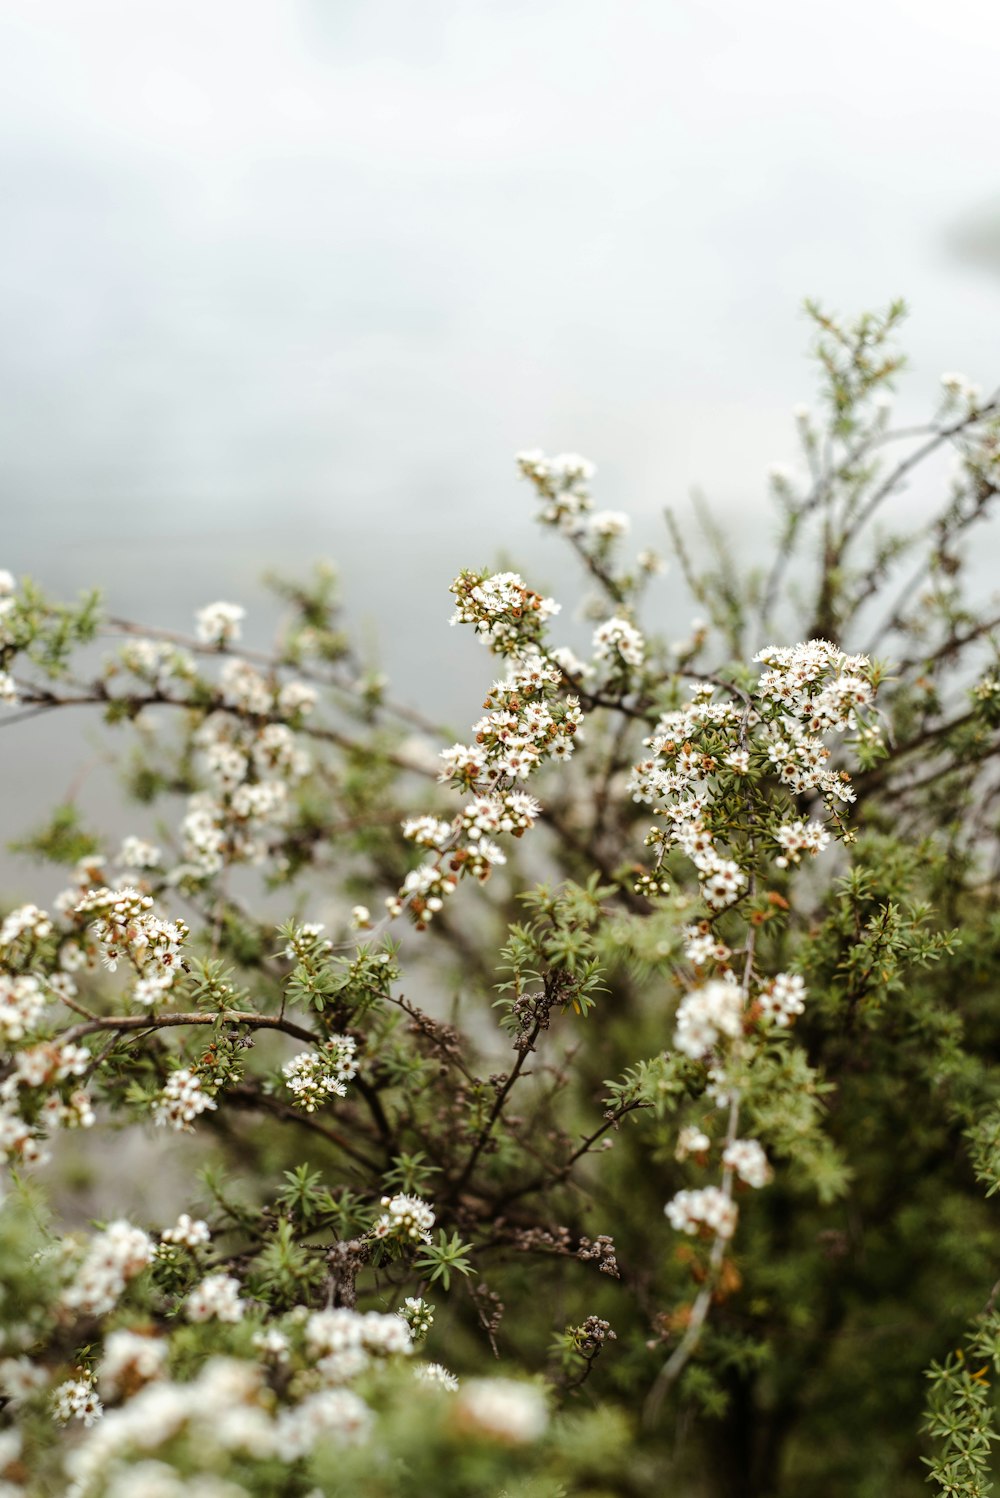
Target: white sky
(283, 279)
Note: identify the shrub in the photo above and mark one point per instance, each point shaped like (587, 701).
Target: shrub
(630, 1137)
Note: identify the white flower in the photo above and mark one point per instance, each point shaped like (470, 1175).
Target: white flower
(7, 583)
(296, 698)
(8, 689)
(705, 1014)
(316, 1075)
(959, 387)
(437, 1374)
(115, 1256)
(691, 1141)
(332, 1414)
(187, 1230)
(609, 524)
(77, 1399)
(20, 1378)
(710, 1207)
(28, 921)
(407, 1218)
(796, 838)
(510, 1412)
(783, 998)
(136, 853)
(618, 638)
(217, 1298)
(219, 623)
(181, 1101)
(129, 1360)
(748, 1160)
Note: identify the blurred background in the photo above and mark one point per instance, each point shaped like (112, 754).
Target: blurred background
(289, 279)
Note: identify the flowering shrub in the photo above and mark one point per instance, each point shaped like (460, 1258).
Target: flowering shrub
(621, 1077)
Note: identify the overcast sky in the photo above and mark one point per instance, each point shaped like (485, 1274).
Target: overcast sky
(285, 279)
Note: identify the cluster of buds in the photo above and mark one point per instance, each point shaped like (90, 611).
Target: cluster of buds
(418, 1315)
(502, 610)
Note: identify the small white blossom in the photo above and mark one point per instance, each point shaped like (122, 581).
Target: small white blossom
(405, 1218)
(437, 1374)
(617, 638)
(691, 1141)
(219, 623)
(130, 1360)
(187, 1230)
(77, 1400)
(136, 853)
(705, 1014)
(747, 1158)
(114, 1257)
(316, 1075)
(690, 1211)
(609, 524)
(217, 1298)
(181, 1101)
(511, 1412)
(783, 998)
(296, 698)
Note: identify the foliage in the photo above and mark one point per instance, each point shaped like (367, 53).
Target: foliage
(678, 1086)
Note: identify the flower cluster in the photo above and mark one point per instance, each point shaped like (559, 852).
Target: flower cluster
(181, 1100)
(342, 1342)
(27, 923)
(502, 610)
(692, 1141)
(796, 838)
(561, 483)
(438, 1374)
(22, 1003)
(251, 766)
(705, 1014)
(114, 1257)
(807, 691)
(216, 1298)
(710, 1208)
(418, 1315)
(619, 642)
(130, 1359)
(160, 663)
(502, 1409)
(122, 921)
(77, 1399)
(698, 751)
(404, 1219)
(782, 998)
(747, 1159)
(223, 1410)
(219, 623)
(319, 1074)
(526, 722)
(189, 1231)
